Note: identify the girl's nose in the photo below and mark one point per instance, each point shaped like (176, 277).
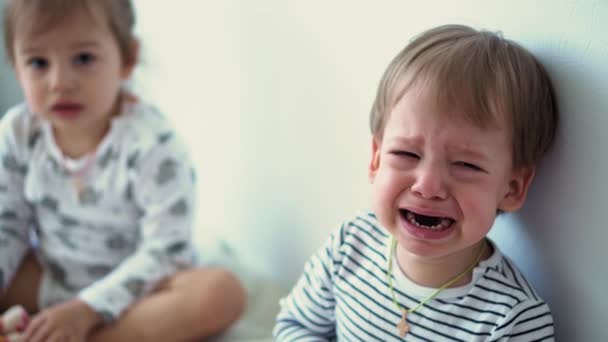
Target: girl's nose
(62, 79)
(430, 182)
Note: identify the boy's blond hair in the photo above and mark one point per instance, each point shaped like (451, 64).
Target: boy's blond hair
(39, 15)
(483, 76)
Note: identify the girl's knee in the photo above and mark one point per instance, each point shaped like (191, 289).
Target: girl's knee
(209, 277)
(213, 289)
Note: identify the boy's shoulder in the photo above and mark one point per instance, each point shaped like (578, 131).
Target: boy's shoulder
(361, 225)
(502, 280)
(501, 289)
(360, 235)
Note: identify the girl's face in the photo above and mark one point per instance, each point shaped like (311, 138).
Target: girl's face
(438, 180)
(71, 73)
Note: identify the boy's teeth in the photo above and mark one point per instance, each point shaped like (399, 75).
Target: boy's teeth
(443, 223)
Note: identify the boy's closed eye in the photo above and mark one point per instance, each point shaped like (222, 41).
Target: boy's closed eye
(465, 166)
(402, 159)
(469, 166)
(405, 154)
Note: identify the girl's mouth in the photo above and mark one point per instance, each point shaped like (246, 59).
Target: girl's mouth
(434, 223)
(67, 109)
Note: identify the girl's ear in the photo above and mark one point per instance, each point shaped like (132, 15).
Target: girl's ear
(131, 61)
(374, 163)
(518, 187)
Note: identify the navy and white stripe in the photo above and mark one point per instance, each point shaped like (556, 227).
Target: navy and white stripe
(344, 295)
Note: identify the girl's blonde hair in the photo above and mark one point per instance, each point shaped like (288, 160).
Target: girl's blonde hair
(485, 77)
(39, 15)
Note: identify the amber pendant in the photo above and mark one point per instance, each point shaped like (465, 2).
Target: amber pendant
(403, 327)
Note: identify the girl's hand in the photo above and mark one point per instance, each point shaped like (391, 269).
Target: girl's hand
(70, 321)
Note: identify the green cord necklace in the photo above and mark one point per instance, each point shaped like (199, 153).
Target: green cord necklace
(402, 326)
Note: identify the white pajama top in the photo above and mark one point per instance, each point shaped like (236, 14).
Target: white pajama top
(109, 233)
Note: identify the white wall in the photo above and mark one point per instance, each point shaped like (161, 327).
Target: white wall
(273, 97)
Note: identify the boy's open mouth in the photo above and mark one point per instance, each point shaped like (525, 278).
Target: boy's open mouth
(427, 222)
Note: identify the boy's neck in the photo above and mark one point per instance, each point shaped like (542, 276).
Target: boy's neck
(436, 272)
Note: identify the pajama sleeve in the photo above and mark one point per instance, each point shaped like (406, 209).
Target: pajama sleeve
(15, 213)
(162, 187)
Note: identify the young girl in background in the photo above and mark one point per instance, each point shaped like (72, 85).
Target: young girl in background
(104, 183)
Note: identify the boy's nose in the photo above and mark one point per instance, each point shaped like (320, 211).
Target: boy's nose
(430, 182)
(62, 79)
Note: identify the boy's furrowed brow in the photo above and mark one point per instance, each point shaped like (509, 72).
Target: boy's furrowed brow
(400, 141)
(477, 154)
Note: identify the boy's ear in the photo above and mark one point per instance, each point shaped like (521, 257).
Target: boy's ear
(375, 160)
(131, 62)
(517, 189)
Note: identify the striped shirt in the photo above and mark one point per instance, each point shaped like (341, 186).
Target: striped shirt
(344, 295)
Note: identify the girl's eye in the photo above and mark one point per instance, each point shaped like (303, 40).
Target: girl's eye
(469, 166)
(37, 62)
(84, 58)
